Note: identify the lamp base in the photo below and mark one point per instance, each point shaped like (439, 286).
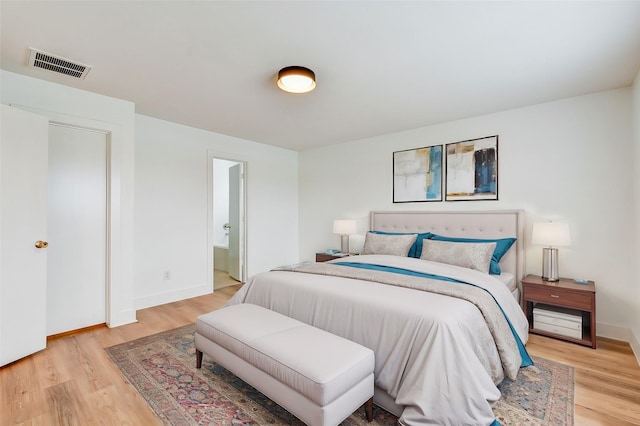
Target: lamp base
(344, 243)
(550, 264)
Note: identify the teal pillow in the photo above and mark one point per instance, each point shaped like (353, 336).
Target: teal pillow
(502, 246)
(416, 248)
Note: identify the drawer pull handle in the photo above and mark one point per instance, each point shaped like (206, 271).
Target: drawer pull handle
(555, 296)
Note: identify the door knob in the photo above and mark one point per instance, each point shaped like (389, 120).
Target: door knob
(42, 244)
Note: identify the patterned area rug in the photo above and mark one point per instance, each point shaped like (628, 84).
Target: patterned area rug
(162, 369)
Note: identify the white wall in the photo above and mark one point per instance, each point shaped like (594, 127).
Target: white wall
(567, 160)
(171, 207)
(85, 109)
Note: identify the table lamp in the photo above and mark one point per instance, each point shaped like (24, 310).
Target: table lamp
(550, 234)
(344, 228)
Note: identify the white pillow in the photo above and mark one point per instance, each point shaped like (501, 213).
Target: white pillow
(397, 245)
(468, 255)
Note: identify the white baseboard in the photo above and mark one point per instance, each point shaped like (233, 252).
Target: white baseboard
(171, 296)
(620, 333)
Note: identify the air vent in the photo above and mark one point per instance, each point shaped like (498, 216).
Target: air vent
(47, 61)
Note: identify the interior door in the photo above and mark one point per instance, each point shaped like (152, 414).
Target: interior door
(77, 225)
(235, 221)
(23, 222)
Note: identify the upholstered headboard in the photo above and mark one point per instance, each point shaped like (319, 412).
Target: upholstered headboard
(481, 224)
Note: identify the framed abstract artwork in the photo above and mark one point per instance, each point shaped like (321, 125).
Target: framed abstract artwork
(472, 169)
(417, 175)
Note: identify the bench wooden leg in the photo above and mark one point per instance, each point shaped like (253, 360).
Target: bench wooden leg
(368, 408)
(198, 358)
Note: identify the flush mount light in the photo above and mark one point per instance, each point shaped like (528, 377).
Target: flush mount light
(296, 79)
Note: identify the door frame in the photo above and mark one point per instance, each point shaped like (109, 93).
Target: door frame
(211, 155)
(114, 133)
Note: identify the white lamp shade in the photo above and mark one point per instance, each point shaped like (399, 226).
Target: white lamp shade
(344, 227)
(551, 234)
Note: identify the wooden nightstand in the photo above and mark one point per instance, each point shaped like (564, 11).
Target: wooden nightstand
(578, 298)
(324, 257)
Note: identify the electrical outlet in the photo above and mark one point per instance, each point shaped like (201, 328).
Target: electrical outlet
(166, 275)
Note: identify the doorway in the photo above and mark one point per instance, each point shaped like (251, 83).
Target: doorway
(77, 228)
(228, 222)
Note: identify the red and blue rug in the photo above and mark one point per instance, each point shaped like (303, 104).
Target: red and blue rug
(162, 369)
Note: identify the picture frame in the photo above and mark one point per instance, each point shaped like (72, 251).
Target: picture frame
(472, 169)
(417, 174)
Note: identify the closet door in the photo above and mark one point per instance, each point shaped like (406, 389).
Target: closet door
(77, 224)
(23, 222)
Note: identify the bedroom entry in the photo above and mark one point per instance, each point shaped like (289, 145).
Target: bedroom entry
(228, 222)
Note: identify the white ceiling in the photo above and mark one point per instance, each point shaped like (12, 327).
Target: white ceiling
(381, 66)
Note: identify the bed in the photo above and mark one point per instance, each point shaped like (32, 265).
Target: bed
(442, 344)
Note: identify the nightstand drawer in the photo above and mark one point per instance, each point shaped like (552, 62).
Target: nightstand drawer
(559, 297)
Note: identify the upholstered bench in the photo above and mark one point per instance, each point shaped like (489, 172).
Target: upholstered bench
(317, 376)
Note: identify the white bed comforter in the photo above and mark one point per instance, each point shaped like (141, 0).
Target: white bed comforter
(436, 356)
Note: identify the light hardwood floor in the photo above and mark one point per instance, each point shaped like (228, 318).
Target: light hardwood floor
(221, 279)
(73, 381)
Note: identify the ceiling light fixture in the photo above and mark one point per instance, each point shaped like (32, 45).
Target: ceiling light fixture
(296, 79)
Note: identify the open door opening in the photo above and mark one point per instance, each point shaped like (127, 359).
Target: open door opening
(228, 213)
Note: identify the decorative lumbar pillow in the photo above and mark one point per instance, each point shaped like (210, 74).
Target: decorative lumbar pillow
(416, 247)
(468, 255)
(502, 246)
(397, 245)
